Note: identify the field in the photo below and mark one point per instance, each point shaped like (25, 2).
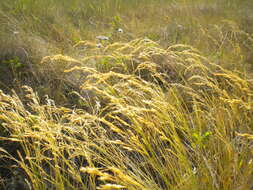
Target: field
(130, 95)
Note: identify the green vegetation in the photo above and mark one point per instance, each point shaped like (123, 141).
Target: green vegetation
(136, 95)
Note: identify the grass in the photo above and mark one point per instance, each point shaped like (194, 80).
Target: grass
(166, 104)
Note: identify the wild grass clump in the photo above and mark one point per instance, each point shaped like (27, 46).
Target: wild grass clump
(148, 117)
(106, 95)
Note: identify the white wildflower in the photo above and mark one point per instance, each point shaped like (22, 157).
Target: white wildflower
(16, 32)
(102, 38)
(99, 45)
(180, 27)
(120, 30)
(146, 39)
(49, 101)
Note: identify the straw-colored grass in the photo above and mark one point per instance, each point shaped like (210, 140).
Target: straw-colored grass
(151, 118)
(136, 95)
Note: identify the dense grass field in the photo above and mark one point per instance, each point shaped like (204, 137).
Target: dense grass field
(130, 95)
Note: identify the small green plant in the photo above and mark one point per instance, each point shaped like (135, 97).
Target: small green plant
(116, 23)
(200, 140)
(12, 68)
(13, 63)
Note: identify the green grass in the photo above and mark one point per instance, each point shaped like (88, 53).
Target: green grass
(166, 104)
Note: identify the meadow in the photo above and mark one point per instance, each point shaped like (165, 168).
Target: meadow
(130, 95)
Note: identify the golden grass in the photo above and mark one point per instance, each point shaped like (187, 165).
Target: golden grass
(156, 119)
(131, 112)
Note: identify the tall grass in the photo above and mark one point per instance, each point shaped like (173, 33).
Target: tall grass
(165, 104)
(156, 119)
(64, 23)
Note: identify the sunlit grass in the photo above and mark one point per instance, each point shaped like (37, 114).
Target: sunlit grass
(136, 95)
(162, 119)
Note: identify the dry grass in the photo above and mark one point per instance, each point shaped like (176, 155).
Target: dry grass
(139, 111)
(151, 118)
